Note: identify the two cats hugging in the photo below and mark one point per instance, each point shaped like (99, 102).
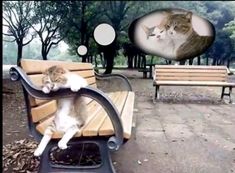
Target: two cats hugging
(71, 112)
(175, 37)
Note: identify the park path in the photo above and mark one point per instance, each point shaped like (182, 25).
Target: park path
(188, 131)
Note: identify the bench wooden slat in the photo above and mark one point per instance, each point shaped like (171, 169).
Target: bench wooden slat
(190, 74)
(188, 67)
(190, 78)
(107, 127)
(35, 102)
(127, 115)
(91, 129)
(191, 71)
(194, 83)
(42, 111)
(39, 66)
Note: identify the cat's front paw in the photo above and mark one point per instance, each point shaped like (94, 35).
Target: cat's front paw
(62, 145)
(75, 88)
(37, 152)
(46, 90)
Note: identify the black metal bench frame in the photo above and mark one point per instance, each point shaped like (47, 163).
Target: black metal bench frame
(105, 144)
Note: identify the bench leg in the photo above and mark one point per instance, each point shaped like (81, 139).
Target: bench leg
(230, 92)
(157, 92)
(106, 165)
(222, 93)
(144, 74)
(227, 94)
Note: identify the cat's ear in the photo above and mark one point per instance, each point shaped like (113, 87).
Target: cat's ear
(189, 15)
(145, 28)
(61, 70)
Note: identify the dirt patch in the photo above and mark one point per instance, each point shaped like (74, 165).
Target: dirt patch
(14, 113)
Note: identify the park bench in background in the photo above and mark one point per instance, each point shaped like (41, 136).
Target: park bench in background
(184, 75)
(111, 113)
(147, 69)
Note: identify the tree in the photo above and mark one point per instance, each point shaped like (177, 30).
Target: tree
(115, 11)
(230, 29)
(16, 14)
(222, 48)
(81, 19)
(49, 16)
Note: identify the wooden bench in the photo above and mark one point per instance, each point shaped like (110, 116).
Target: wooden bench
(110, 114)
(145, 71)
(183, 75)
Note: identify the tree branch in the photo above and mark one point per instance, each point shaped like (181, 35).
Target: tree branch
(24, 44)
(10, 35)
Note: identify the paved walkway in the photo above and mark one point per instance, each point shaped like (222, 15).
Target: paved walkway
(180, 138)
(188, 131)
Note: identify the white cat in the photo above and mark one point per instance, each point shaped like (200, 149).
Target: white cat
(71, 113)
(160, 41)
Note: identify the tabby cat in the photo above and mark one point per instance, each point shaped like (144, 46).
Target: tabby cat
(187, 42)
(71, 113)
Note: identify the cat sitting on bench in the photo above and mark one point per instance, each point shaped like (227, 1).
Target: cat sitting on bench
(71, 113)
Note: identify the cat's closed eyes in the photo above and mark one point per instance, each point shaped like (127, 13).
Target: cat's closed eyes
(71, 113)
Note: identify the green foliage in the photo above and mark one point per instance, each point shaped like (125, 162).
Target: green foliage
(75, 22)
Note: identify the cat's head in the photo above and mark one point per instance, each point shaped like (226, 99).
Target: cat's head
(155, 33)
(158, 32)
(54, 78)
(178, 25)
(148, 31)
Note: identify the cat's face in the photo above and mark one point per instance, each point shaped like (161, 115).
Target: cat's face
(159, 33)
(155, 33)
(53, 79)
(179, 25)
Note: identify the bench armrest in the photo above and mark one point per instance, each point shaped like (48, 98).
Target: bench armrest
(111, 76)
(114, 142)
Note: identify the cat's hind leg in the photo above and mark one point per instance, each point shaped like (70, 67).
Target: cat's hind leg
(45, 140)
(62, 144)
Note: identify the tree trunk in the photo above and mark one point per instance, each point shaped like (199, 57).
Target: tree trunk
(84, 58)
(109, 54)
(214, 61)
(135, 61)
(198, 60)
(44, 56)
(191, 61)
(44, 52)
(182, 62)
(228, 63)
(19, 53)
(130, 62)
(207, 60)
